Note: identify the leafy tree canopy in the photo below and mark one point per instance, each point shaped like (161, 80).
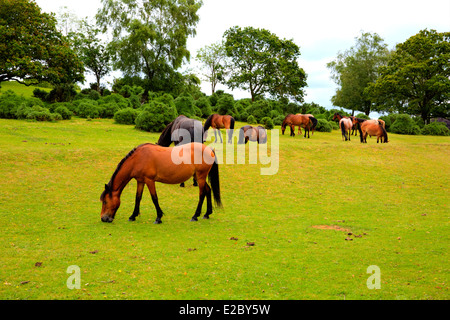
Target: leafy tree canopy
(32, 49)
(355, 69)
(263, 63)
(149, 37)
(416, 80)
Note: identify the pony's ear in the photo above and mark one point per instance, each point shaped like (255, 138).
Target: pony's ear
(107, 188)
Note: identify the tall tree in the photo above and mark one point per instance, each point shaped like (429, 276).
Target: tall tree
(417, 77)
(263, 63)
(92, 51)
(213, 58)
(149, 37)
(32, 49)
(355, 69)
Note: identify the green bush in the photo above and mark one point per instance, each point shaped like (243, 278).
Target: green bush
(251, 120)
(155, 116)
(259, 109)
(267, 122)
(126, 116)
(435, 129)
(405, 125)
(38, 113)
(205, 107)
(225, 105)
(65, 113)
(278, 120)
(323, 126)
(185, 105)
(88, 109)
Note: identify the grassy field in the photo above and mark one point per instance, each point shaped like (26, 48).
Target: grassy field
(19, 89)
(309, 232)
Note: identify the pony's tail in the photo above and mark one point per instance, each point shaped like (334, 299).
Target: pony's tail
(231, 130)
(213, 177)
(384, 133)
(165, 139)
(314, 122)
(341, 124)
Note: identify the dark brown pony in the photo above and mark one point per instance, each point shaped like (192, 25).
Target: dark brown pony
(150, 163)
(372, 128)
(218, 122)
(249, 133)
(300, 120)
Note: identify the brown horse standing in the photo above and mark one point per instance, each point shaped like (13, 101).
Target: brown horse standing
(218, 122)
(249, 133)
(300, 120)
(372, 128)
(150, 163)
(345, 124)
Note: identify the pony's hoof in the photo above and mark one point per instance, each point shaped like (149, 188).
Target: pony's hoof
(131, 219)
(205, 217)
(157, 222)
(194, 219)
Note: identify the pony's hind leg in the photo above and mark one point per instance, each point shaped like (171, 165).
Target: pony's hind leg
(140, 188)
(202, 194)
(152, 189)
(208, 202)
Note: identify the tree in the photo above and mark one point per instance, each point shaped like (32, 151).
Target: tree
(355, 69)
(149, 37)
(213, 58)
(417, 77)
(93, 53)
(32, 49)
(262, 63)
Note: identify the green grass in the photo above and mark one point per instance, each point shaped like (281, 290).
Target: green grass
(19, 89)
(394, 196)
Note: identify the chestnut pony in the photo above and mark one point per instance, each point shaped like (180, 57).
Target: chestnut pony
(300, 120)
(247, 133)
(150, 163)
(180, 131)
(345, 124)
(218, 122)
(372, 128)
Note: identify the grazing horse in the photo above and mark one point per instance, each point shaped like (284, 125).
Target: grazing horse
(218, 122)
(249, 133)
(372, 128)
(345, 124)
(299, 120)
(182, 130)
(150, 163)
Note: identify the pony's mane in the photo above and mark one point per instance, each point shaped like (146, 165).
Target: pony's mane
(165, 139)
(108, 187)
(208, 122)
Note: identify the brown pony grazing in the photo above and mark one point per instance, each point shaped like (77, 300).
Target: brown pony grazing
(372, 128)
(249, 133)
(150, 163)
(299, 120)
(218, 122)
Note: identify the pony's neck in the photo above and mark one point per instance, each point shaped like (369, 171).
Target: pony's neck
(122, 178)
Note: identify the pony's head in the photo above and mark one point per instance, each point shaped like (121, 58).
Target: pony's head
(336, 116)
(110, 204)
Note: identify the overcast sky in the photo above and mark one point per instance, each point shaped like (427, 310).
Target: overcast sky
(321, 28)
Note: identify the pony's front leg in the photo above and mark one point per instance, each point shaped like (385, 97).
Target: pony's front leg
(215, 135)
(152, 189)
(220, 136)
(140, 188)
